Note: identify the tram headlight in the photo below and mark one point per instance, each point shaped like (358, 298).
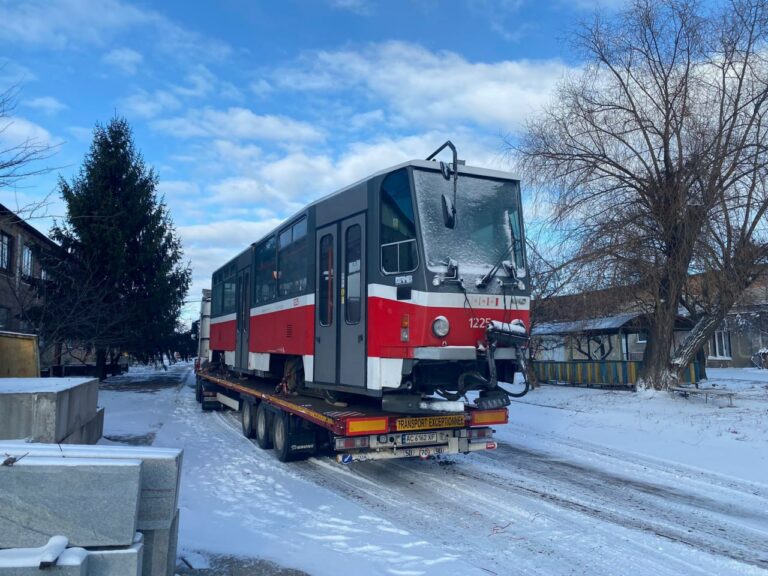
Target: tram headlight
(441, 326)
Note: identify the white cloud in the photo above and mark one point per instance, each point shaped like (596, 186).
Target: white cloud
(427, 88)
(124, 59)
(18, 131)
(61, 23)
(143, 104)
(361, 7)
(592, 5)
(46, 104)
(365, 119)
(260, 87)
(178, 189)
(239, 124)
(80, 133)
(65, 24)
(12, 74)
(200, 83)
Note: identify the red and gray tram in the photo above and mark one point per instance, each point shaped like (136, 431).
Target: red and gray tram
(409, 283)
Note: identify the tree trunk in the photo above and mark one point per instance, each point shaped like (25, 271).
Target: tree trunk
(701, 358)
(655, 372)
(695, 339)
(101, 364)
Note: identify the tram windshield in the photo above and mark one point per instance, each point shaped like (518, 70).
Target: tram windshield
(488, 222)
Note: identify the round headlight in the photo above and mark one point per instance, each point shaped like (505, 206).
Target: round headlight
(441, 326)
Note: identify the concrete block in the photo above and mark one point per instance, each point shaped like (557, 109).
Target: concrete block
(117, 561)
(160, 478)
(88, 433)
(160, 548)
(42, 557)
(93, 502)
(71, 562)
(46, 409)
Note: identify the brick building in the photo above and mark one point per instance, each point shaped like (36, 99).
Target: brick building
(20, 244)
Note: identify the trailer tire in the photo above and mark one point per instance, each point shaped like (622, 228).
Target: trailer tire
(249, 430)
(198, 390)
(263, 427)
(281, 436)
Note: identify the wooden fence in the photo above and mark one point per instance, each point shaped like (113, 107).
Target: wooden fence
(603, 373)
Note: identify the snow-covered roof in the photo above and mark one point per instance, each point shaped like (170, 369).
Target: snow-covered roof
(604, 324)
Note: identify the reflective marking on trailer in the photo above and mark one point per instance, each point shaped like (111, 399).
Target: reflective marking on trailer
(430, 422)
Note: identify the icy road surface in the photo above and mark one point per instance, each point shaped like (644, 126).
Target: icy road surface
(543, 503)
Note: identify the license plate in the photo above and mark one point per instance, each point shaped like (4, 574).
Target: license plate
(419, 438)
(430, 422)
(424, 452)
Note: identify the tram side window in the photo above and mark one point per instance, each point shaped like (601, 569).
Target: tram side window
(292, 260)
(398, 228)
(229, 295)
(325, 281)
(266, 270)
(353, 255)
(217, 299)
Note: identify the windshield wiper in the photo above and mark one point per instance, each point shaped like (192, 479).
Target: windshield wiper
(488, 276)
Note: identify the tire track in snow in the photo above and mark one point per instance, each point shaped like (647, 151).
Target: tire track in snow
(539, 513)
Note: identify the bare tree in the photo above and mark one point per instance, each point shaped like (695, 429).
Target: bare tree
(657, 146)
(21, 159)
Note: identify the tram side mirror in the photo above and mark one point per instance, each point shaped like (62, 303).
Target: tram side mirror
(449, 212)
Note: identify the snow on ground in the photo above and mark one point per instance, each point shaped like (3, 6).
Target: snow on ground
(239, 500)
(711, 435)
(584, 482)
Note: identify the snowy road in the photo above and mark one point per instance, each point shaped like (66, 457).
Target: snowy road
(540, 504)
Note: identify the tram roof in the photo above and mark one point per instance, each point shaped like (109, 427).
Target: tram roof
(427, 164)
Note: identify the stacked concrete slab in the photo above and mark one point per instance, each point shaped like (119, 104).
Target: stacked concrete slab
(61, 410)
(100, 498)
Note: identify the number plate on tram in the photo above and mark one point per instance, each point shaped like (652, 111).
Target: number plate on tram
(419, 438)
(430, 422)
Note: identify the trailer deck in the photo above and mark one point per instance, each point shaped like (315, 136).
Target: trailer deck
(359, 430)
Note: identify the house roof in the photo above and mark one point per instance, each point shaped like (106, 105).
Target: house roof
(629, 321)
(595, 325)
(31, 230)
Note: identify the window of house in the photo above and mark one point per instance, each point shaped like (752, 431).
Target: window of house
(6, 254)
(4, 317)
(398, 225)
(720, 344)
(641, 338)
(26, 260)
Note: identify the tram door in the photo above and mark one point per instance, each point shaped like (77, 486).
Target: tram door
(325, 306)
(243, 318)
(352, 312)
(340, 304)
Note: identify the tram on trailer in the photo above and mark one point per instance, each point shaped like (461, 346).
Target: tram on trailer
(409, 283)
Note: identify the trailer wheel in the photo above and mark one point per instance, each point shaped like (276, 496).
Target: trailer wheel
(247, 416)
(263, 431)
(281, 437)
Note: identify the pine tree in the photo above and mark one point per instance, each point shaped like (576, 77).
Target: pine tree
(122, 282)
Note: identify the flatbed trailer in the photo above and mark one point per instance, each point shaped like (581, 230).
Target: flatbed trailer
(299, 426)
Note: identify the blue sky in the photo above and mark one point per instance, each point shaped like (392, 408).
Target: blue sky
(249, 109)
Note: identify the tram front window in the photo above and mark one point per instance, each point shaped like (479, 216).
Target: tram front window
(488, 222)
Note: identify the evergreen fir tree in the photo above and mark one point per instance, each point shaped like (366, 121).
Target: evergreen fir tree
(122, 283)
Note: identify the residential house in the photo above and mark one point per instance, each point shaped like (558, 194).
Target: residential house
(20, 244)
(611, 325)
